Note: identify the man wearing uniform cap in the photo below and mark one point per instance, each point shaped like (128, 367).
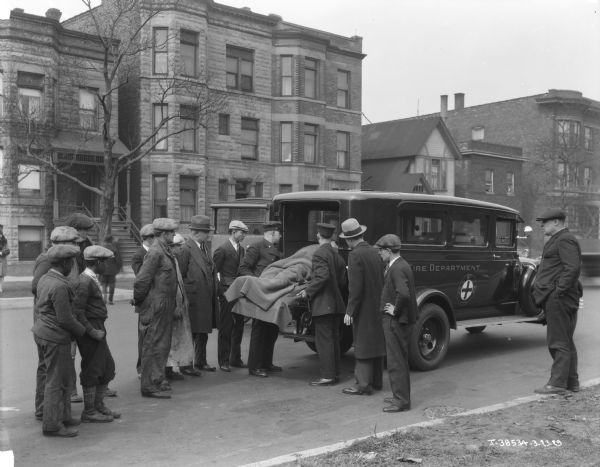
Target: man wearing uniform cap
(227, 258)
(365, 283)
(200, 280)
(557, 290)
(61, 235)
(398, 307)
(147, 235)
(324, 292)
(53, 330)
(264, 335)
(97, 364)
(154, 292)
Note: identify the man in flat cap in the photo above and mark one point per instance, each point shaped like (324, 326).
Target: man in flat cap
(97, 364)
(324, 292)
(147, 235)
(53, 331)
(398, 307)
(557, 290)
(200, 281)
(154, 292)
(365, 283)
(4, 252)
(83, 224)
(264, 335)
(227, 258)
(61, 235)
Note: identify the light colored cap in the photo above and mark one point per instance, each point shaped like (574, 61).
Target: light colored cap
(238, 225)
(59, 252)
(79, 221)
(164, 224)
(147, 230)
(97, 252)
(389, 241)
(64, 233)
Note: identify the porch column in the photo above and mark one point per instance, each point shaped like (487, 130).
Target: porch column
(127, 191)
(55, 196)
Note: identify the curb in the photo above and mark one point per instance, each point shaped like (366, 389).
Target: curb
(295, 456)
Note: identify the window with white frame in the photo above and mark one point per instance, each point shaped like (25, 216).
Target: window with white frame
(160, 49)
(30, 242)
(30, 89)
(188, 43)
(568, 133)
(489, 181)
(189, 123)
(161, 126)
(310, 143)
(188, 188)
(587, 177)
(287, 75)
(286, 141)
(239, 68)
(88, 109)
(477, 133)
(510, 183)
(587, 139)
(343, 88)
(249, 138)
(310, 78)
(435, 173)
(342, 150)
(223, 124)
(29, 177)
(159, 195)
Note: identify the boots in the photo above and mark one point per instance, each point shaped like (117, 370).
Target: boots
(90, 414)
(99, 402)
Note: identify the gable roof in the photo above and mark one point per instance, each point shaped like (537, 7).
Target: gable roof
(403, 138)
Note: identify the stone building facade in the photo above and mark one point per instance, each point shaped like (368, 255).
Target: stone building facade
(289, 118)
(47, 101)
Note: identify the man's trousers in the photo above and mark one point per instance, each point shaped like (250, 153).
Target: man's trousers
(396, 345)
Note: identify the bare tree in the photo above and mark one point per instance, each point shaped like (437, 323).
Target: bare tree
(122, 28)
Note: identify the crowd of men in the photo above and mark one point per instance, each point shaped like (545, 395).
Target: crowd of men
(178, 294)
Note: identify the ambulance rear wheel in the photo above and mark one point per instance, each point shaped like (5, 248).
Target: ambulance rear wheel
(429, 340)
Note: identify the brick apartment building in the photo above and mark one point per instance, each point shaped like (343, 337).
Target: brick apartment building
(47, 98)
(290, 117)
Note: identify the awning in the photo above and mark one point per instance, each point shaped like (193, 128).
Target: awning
(75, 142)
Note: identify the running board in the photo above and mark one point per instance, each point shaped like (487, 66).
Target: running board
(471, 323)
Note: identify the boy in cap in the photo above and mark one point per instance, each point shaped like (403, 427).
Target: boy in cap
(557, 290)
(365, 282)
(97, 364)
(324, 292)
(398, 307)
(154, 292)
(112, 267)
(53, 330)
(264, 335)
(227, 258)
(83, 224)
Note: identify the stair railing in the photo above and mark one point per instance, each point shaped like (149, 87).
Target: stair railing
(134, 231)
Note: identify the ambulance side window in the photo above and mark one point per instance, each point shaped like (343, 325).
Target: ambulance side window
(505, 233)
(469, 229)
(422, 227)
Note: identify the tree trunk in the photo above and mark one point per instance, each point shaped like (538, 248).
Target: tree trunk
(107, 208)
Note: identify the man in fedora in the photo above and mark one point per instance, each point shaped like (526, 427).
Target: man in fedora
(365, 283)
(264, 335)
(227, 258)
(324, 292)
(398, 307)
(557, 290)
(154, 292)
(200, 280)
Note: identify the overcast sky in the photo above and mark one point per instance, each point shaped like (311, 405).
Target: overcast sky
(419, 49)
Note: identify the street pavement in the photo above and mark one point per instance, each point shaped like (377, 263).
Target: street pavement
(233, 418)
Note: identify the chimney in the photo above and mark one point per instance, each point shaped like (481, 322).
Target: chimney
(53, 13)
(444, 106)
(459, 101)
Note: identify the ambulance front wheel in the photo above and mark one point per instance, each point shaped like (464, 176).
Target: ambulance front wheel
(430, 337)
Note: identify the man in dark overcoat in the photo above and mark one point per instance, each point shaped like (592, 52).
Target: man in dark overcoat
(154, 291)
(557, 290)
(137, 259)
(53, 329)
(365, 282)
(200, 281)
(227, 258)
(398, 306)
(258, 256)
(324, 292)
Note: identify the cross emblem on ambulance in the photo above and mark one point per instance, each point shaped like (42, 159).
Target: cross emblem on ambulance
(466, 290)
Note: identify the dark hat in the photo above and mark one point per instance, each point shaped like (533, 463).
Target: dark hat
(200, 223)
(147, 231)
(97, 252)
(326, 230)
(552, 213)
(60, 252)
(164, 224)
(271, 225)
(64, 233)
(351, 228)
(78, 220)
(390, 241)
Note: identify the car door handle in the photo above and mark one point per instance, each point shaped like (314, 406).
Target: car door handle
(496, 256)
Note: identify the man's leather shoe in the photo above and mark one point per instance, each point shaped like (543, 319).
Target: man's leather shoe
(259, 373)
(62, 432)
(392, 408)
(75, 398)
(164, 386)
(549, 389)
(225, 367)
(174, 375)
(191, 371)
(389, 400)
(207, 367)
(156, 395)
(273, 368)
(356, 392)
(323, 382)
(111, 392)
(239, 364)
(574, 388)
